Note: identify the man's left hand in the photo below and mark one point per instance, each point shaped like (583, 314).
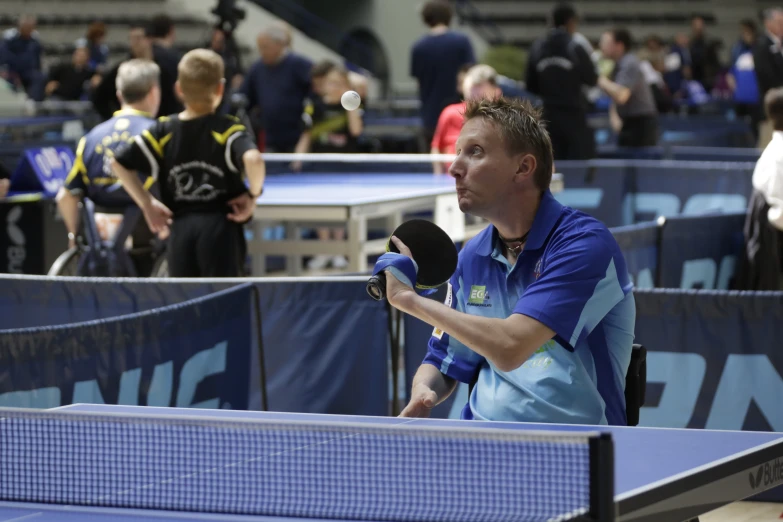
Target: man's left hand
(397, 293)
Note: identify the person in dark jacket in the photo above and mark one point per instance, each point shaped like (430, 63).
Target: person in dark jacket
(557, 69)
(20, 58)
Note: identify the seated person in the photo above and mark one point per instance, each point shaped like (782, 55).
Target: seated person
(480, 81)
(91, 175)
(330, 128)
(70, 81)
(199, 157)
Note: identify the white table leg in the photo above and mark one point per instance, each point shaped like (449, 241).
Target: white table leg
(357, 236)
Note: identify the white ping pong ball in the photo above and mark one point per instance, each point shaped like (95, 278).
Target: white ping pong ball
(351, 100)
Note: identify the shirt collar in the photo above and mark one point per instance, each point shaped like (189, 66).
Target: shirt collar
(132, 112)
(546, 217)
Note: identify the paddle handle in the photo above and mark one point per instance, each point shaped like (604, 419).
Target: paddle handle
(376, 286)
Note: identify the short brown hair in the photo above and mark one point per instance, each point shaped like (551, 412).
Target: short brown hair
(322, 68)
(437, 12)
(773, 105)
(96, 31)
(521, 128)
(199, 73)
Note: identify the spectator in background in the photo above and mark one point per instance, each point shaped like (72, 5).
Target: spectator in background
(94, 42)
(768, 62)
(20, 54)
(104, 95)
(330, 128)
(761, 264)
(480, 81)
(652, 59)
(5, 184)
(69, 81)
(276, 86)
(558, 68)
(705, 63)
(633, 113)
(435, 60)
(162, 34)
(677, 65)
(742, 77)
(223, 43)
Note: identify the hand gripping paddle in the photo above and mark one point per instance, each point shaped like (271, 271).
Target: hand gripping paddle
(432, 250)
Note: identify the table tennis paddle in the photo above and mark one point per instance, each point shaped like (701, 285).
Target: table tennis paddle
(431, 248)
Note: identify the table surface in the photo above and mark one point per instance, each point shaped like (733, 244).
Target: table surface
(645, 458)
(349, 189)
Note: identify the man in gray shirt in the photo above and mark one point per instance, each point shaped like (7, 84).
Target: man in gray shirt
(633, 111)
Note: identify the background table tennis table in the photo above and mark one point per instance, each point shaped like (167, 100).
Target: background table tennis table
(309, 200)
(660, 474)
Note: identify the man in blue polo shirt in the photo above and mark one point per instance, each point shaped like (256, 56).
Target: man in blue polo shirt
(540, 311)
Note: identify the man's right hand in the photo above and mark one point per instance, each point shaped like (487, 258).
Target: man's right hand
(423, 399)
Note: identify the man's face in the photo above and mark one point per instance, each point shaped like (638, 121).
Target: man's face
(138, 43)
(697, 25)
(80, 57)
(26, 27)
(777, 24)
(218, 39)
(269, 49)
(607, 46)
(483, 169)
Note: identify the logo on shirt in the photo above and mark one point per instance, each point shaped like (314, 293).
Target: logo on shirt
(539, 266)
(478, 296)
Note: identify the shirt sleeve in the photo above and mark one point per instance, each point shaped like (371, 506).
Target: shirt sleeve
(629, 74)
(447, 354)
(238, 146)
(144, 152)
(580, 282)
(77, 179)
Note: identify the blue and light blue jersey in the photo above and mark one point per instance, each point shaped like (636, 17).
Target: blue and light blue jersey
(571, 277)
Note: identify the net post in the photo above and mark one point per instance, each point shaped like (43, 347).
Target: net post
(602, 478)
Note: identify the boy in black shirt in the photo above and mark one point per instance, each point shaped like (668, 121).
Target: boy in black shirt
(198, 157)
(330, 128)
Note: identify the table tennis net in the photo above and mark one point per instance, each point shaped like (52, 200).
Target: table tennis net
(360, 471)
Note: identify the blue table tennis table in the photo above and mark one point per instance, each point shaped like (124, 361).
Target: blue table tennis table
(627, 473)
(309, 200)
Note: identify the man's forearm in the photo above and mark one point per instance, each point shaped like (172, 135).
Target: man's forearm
(255, 169)
(619, 93)
(68, 205)
(431, 377)
(492, 338)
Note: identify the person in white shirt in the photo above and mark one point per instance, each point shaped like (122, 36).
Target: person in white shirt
(768, 174)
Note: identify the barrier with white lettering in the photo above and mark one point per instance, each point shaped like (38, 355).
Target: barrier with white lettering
(313, 366)
(624, 192)
(194, 354)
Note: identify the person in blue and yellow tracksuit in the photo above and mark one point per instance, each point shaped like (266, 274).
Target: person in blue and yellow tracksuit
(91, 175)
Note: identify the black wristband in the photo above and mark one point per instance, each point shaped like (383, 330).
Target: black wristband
(254, 196)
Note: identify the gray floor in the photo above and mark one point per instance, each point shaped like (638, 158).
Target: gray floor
(746, 512)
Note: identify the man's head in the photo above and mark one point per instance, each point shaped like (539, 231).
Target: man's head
(138, 85)
(564, 16)
(161, 28)
(218, 41)
(503, 151)
(773, 21)
(140, 45)
(481, 81)
(461, 78)
(615, 43)
(682, 40)
(773, 105)
(272, 43)
(436, 13)
(200, 81)
(748, 31)
(697, 25)
(80, 57)
(318, 75)
(27, 24)
(653, 43)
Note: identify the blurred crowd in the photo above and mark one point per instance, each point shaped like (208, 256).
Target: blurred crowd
(285, 94)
